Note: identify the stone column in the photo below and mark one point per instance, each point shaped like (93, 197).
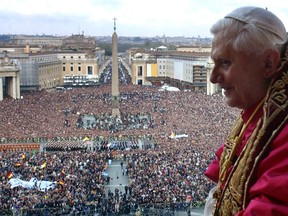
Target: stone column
(17, 85)
(14, 87)
(1, 89)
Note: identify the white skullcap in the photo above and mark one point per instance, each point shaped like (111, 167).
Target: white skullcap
(261, 18)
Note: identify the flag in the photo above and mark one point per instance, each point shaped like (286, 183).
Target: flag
(9, 175)
(105, 166)
(172, 135)
(43, 165)
(189, 198)
(23, 156)
(114, 153)
(62, 173)
(86, 139)
(17, 164)
(61, 182)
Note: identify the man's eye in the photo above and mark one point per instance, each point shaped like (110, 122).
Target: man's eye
(225, 64)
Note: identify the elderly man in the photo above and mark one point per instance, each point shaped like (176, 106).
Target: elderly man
(250, 57)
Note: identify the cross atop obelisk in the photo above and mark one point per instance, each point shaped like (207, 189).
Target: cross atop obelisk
(115, 75)
(114, 24)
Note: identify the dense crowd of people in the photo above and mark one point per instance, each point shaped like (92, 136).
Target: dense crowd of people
(78, 179)
(105, 121)
(43, 115)
(170, 172)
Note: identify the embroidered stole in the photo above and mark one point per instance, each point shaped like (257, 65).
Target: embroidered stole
(232, 194)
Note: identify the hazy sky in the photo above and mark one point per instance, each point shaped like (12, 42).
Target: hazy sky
(134, 17)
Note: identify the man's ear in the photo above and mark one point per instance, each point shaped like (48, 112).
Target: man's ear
(271, 61)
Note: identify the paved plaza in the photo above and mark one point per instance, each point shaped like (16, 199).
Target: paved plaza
(118, 180)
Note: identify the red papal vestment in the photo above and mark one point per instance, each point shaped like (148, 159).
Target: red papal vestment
(268, 193)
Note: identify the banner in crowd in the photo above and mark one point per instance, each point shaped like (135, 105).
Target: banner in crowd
(173, 135)
(32, 184)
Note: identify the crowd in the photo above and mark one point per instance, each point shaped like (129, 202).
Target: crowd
(105, 121)
(78, 179)
(170, 172)
(170, 176)
(42, 115)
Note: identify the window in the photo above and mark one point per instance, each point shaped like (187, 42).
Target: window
(140, 82)
(71, 68)
(79, 68)
(140, 72)
(64, 68)
(90, 71)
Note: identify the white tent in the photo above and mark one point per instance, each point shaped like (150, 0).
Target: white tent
(169, 88)
(162, 48)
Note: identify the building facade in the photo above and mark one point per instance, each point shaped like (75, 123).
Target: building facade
(39, 40)
(48, 70)
(9, 78)
(182, 69)
(77, 64)
(194, 49)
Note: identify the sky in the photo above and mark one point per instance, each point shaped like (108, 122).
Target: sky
(134, 18)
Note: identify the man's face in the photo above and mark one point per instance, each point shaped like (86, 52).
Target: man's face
(239, 75)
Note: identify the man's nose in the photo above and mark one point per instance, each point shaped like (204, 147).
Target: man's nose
(215, 76)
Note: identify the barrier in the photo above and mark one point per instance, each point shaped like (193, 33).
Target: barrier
(159, 209)
(20, 147)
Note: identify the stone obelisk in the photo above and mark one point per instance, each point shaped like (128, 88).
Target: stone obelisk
(115, 75)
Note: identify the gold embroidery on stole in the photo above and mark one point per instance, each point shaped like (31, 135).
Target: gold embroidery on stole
(232, 193)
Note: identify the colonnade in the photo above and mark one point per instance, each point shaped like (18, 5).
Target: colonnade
(9, 74)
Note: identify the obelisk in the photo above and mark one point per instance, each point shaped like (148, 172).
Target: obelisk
(115, 76)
